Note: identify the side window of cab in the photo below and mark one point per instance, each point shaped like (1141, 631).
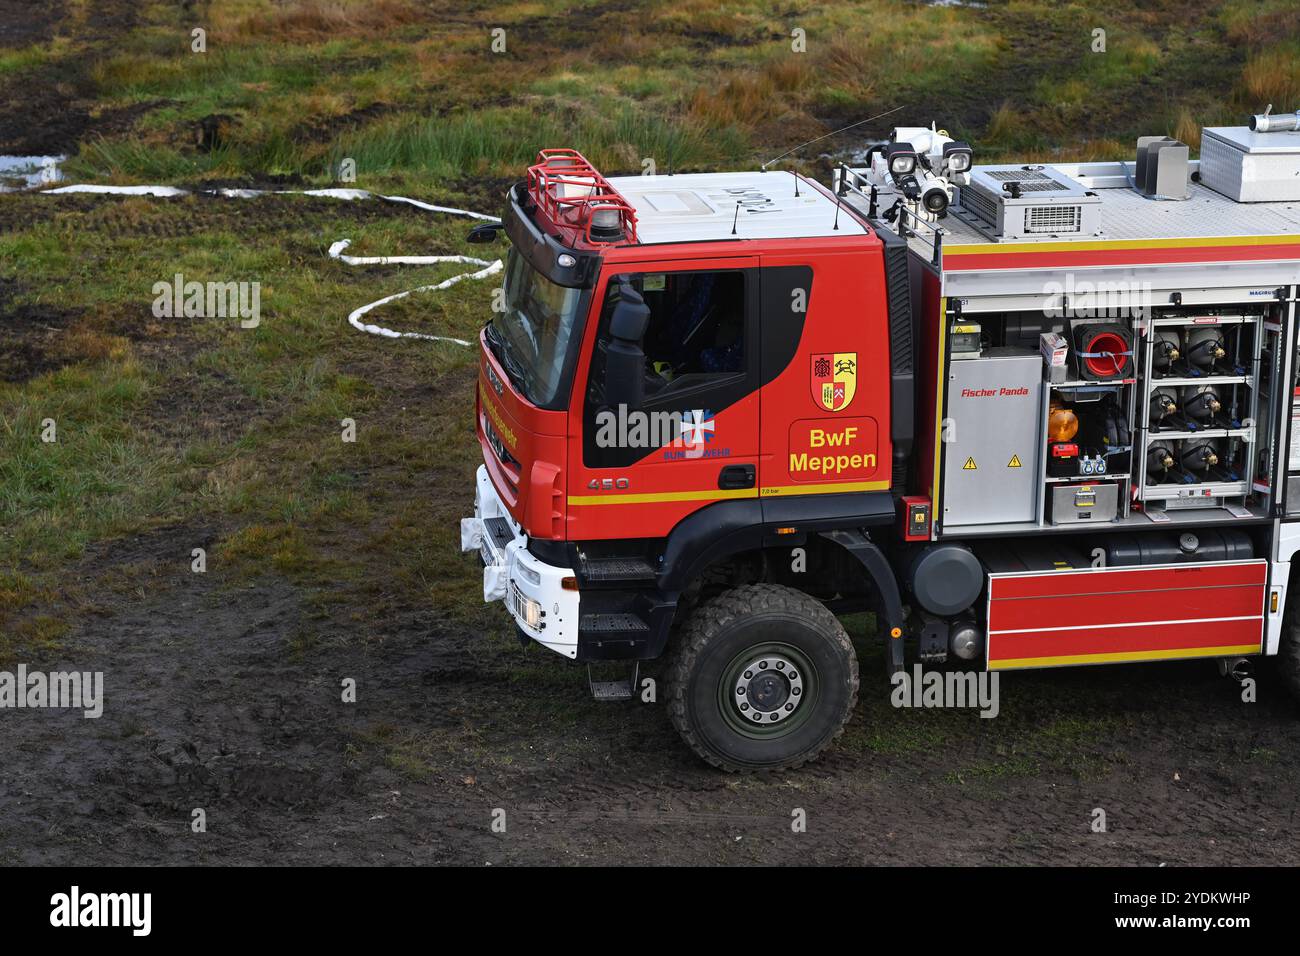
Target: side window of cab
(698, 345)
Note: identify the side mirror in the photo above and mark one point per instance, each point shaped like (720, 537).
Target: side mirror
(625, 358)
(486, 232)
(631, 315)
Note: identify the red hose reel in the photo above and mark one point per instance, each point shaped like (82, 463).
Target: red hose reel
(1103, 352)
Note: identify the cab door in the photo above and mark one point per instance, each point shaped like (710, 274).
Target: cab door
(693, 441)
(825, 376)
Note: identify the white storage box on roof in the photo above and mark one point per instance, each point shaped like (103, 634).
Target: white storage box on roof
(1247, 166)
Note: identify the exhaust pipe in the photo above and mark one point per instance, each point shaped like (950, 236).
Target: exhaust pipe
(1238, 668)
(1266, 122)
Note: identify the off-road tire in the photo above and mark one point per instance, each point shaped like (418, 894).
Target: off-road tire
(722, 631)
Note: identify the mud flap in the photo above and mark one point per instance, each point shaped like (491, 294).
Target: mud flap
(889, 603)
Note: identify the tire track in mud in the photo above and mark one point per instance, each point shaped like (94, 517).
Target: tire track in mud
(45, 109)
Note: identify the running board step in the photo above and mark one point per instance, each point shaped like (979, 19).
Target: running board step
(613, 689)
(618, 571)
(612, 624)
(498, 529)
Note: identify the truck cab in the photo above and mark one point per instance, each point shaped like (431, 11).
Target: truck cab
(687, 368)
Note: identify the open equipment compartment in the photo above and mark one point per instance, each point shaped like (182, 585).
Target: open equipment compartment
(1191, 423)
(1002, 470)
(984, 303)
(1136, 557)
(1200, 406)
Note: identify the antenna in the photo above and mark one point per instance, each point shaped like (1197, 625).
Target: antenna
(869, 119)
(796, 183)
(735, 218)
(837, 212)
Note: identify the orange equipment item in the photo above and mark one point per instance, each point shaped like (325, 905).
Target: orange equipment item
(1062, 424)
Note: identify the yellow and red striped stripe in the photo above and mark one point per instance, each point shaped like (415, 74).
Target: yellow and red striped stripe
(1055, 255)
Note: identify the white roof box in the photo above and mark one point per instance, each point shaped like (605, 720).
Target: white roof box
(1251, 167)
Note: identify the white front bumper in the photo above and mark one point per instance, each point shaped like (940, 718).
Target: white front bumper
(512, 574)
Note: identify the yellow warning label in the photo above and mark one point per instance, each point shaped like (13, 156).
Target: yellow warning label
(970, 465)
(1014, 462)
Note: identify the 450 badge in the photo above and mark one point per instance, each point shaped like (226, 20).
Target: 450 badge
(834, 379)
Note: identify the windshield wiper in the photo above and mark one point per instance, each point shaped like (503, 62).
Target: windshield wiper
(518, 372)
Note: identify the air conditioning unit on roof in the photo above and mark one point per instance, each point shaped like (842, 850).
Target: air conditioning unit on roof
(1030, 202)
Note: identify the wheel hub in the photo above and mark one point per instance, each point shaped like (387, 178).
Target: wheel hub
(769, 689)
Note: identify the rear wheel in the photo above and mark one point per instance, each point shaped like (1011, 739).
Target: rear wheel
(764, 678)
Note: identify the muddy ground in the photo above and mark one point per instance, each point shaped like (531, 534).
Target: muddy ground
(51, 109)
(213, 702)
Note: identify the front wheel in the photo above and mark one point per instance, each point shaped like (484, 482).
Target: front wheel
(764, 679)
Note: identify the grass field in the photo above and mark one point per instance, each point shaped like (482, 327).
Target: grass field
(175, 434)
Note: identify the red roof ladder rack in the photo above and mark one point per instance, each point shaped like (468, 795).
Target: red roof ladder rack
(573, 195)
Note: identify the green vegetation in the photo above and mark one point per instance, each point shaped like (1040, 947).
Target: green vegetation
(418, 89)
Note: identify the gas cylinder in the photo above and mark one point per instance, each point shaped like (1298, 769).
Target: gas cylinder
(1168, 347)
(1201, 402)
(1163, 404)
(1204, 346)
(1199, 455)
(1160, 458)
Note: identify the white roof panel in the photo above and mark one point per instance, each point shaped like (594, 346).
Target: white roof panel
(703, 206)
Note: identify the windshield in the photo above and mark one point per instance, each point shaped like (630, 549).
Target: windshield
(536, 330)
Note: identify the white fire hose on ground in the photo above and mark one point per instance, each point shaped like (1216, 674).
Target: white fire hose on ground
(354, 317)
(336, 250)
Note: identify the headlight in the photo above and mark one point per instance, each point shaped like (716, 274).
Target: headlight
(901, 158)
(957, 157)
(531, 612)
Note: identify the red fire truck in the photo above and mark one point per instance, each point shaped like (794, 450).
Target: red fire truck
(1027, 415)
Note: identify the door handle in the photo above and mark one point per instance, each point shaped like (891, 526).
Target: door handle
(736, 476)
